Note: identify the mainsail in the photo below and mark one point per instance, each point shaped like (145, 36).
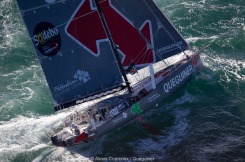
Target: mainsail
(72, 72)
(74, 50)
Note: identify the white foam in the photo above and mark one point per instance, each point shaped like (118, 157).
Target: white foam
(231, 68)
(23, 134)
(194, 39)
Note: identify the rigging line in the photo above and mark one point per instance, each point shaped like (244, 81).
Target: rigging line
(144, 55)
(140, 55)
(148, 43)
(144, 73)
(153, 49)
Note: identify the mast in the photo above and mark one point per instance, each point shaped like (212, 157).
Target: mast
(114, 48)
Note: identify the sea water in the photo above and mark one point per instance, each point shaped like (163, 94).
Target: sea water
(204, 121)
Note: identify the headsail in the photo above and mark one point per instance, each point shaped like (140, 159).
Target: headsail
(167, 40)
(141, 31)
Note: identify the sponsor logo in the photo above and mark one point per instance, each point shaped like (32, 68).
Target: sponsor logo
(125, 115)
(169, 47)
(80, 77)
(136, 109)
(114, 112)
(93, 32)
(178, 79)
(47, 39)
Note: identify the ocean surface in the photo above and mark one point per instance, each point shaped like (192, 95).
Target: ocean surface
(204, 121)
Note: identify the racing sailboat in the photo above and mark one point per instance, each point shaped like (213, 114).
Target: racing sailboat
(121, 57)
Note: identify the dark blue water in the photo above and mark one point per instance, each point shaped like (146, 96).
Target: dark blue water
(204, 121)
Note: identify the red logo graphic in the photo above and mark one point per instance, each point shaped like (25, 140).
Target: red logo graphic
(85, 28)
